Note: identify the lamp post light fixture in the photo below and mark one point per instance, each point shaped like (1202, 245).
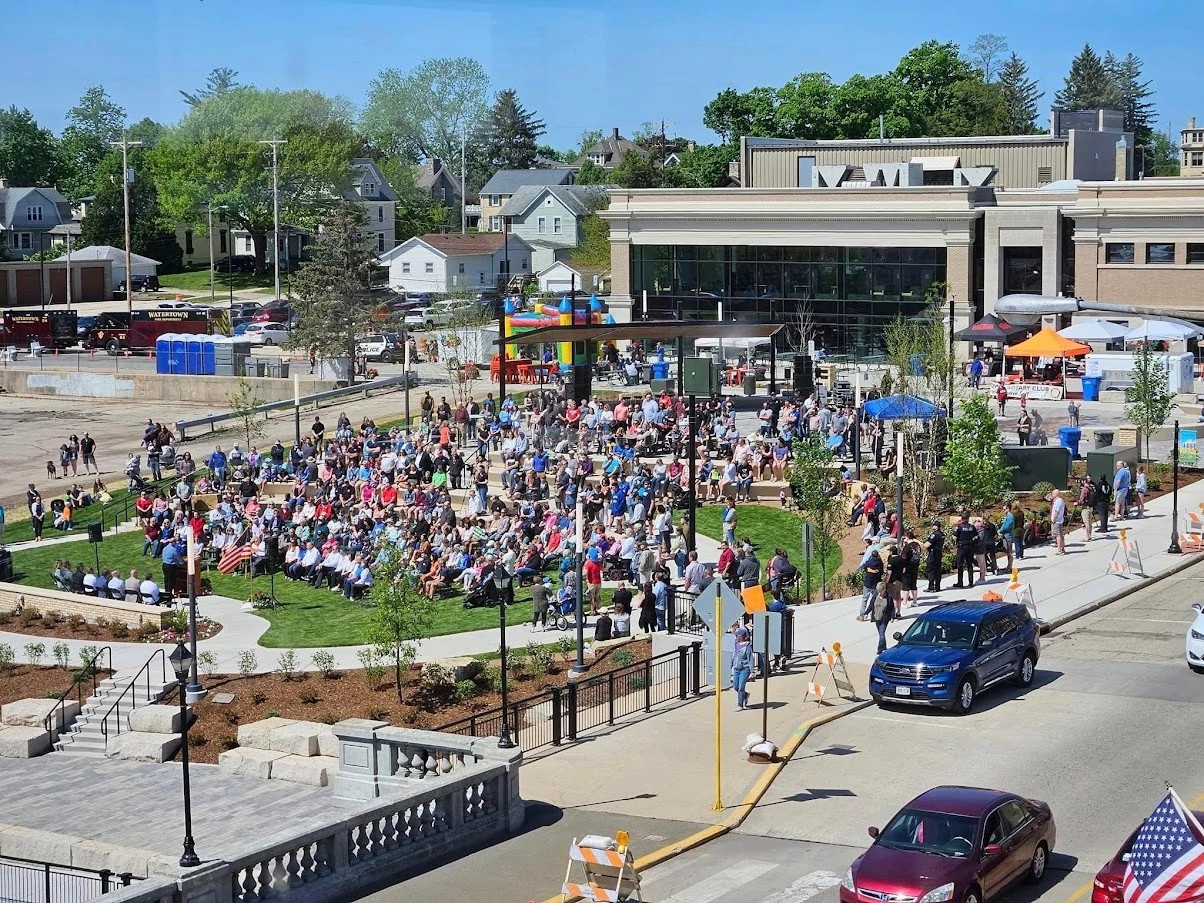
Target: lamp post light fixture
(504, 588)
(181, 662)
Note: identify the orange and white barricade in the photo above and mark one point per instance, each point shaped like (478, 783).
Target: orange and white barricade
(1126, 558)
(610, 875)
(837, 676)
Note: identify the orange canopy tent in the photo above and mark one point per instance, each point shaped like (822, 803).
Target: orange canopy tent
(1047, 343)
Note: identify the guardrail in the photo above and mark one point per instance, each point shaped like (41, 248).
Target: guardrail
(363, 389)
(87, 672)
(43, 882)
(129, 689)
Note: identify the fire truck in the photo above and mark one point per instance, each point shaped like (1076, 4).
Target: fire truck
(118, 332)
(50, 329)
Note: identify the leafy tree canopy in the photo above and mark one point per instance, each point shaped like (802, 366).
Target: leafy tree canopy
(29, 154)
(150, 234)
(509, 134)
(220, 81)
(91, 124)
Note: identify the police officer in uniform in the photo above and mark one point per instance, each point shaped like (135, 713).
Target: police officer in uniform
(965, 536)
(935, 548)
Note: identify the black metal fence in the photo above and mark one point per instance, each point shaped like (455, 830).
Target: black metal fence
(558, 715)
(26, 881)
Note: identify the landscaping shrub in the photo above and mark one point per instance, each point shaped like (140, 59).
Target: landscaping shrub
(206, 663)
(119, 629)
(622, 658)
(176, 622)
(197, 738)
(101, 623)
(324, 662)
(465, 690)
(374, 668)
(34, 652)
(6, 617)
(308, 698)
(248, 662)
(517, 662)
(229, 742)
(230, 718)
(1041, 489)
(53, 617)
(851, 580)
(286, 666)
(492, 678)
(148, 631)
(542, 660)
(258, 698)
(86, 655)
(6, 656)
(62, 654)
(29, 614)
(565, 645)
(436, 676)
(408, 716)
(261, 600)
(272, 713)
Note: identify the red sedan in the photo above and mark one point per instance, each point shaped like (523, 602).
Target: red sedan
(1109, 879)
(959, 844)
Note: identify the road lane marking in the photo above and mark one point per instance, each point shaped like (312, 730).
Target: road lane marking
(671, 868)
(928, 722)
(804, 888)
(1078, 894)
(719, 885)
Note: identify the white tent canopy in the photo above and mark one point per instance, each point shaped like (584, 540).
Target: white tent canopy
(1094, 330)
(742, 343)
(1162, 331)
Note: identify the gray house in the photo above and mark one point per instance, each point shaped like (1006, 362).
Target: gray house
(27, 215)
(497, 191)
(548, 218)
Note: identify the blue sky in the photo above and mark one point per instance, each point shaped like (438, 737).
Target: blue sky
(578, 64)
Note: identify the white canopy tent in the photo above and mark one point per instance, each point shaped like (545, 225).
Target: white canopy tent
(744, 344)
(1163, 331)
(1094, 330)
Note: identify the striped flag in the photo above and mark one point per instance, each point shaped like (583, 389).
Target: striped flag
(1166, 864)
(232, 558)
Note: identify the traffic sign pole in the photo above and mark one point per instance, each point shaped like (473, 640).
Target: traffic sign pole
(717, 635)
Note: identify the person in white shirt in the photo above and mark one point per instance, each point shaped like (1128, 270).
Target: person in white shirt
(149, 591)
(116, 586)
(90, 583)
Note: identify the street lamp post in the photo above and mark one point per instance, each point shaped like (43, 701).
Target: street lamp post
(579, 665)
(503, 587)
(212, 282)
(899, 485)
(508, 308)
(195, 692)
(125, 144)
(1174, 548)
(181, 662)
(275, 146)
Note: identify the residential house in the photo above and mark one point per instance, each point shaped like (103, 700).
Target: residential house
(608, 152)
(497, 191)
(436, 179)
(113, 261)
(370, 188)
(27, 216)
(565, 276)
(443, 263)
(548, 217)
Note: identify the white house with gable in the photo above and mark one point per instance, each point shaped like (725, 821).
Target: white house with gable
(447, 263)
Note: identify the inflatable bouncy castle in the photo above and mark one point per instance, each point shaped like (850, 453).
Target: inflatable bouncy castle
(521, 321)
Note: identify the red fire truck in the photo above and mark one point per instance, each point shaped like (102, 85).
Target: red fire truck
(50, 329)
(117, 332)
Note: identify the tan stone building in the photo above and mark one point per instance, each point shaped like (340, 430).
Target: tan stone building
(1191, 150)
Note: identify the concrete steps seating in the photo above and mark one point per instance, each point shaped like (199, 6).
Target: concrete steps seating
(86, 734)
(282, 749)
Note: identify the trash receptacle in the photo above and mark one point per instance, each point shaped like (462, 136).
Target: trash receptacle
(660, 370)
(1068, 437)
(750, 384)
(1104, 438)
(273, 369)
(284, 369)
(254, 367)
(1091, 388)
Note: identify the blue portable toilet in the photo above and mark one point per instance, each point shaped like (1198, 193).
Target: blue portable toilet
(208, 356)
(179, 354)
(163, 353)
(192, 363)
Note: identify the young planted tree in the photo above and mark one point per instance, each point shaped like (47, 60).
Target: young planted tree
(974, 461)
(463, 350)
(400, 618)
(1149, 400)
(244, 405)
(333, 288)
(815, 490)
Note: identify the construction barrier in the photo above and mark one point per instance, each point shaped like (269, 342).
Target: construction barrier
(1126, 558)
(608, 867)
(837, 674)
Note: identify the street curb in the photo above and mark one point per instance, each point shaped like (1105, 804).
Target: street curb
(744, 808)
(1122, 593)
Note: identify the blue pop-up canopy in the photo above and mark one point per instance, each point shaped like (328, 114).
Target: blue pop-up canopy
(902, 407)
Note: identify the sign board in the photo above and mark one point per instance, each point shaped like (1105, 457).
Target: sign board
(1189, 455)
(754, 599)
(704, 604)
(726, 650)
(775, 631)
(1035, 391)
(1094, 366)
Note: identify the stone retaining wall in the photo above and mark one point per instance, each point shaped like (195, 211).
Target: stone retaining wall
(14, 595)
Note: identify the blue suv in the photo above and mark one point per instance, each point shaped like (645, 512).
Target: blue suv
(953, 652)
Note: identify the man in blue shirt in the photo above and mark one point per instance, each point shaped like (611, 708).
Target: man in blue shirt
(172, 559)
(1120, 489)
(217, 463)
(976, 369)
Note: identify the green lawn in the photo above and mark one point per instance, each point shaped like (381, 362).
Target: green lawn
(198, 281)
(769, 528)
(19, 529)
(308, 618)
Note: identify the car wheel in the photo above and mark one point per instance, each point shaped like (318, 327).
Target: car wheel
(268, 342)
(1027, 670)
(972, 896)
(965, 698)
(1036, 868)
(428, 325)
(113, 347)
(1197, 668)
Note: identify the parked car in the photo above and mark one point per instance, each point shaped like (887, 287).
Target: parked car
(141, 283)
(244, 308)
(442, 313)
(272, 313)
(954, 845)
(178, 305)
(385, 347)
(1195, 640)
(416, 318)
(240, 328)
(240, 263)
(266, 333)
(1109, 880)
(955, 651)
(422, 299)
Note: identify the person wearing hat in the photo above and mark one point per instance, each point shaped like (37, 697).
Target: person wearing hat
(964, 537)
(603, 627)
(742, 659)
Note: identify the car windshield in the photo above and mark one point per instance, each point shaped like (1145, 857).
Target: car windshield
(935, 632)
(930, 832)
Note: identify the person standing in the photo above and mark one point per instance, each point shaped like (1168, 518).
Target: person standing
(37, 516)
(1007, 532)
(1086, 501)
(87, 448)
(218, 463)
(1057, 521)
(976, 368)
(871, 576)
(1001, 397)
(539, 597)
(593, 582)
(1103, 502)
(729, 522)
(1072, 409)
(1024, 426)
(883, 612)
(1140, 487)
(171, 567)
(742, 657)
(934, 548)
(964, 537)
(1120, 490)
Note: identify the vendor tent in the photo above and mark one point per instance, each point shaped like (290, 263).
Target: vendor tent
(902, 407)
(1094, 330)
(1162, 331)
(990, 329)
(1048, 343)
(735, 342)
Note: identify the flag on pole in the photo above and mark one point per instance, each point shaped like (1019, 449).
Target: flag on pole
(1166, 864)
(232, 558)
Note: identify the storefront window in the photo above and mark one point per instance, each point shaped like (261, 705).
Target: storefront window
(1021, 271)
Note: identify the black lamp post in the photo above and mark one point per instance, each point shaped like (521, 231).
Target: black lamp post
(1174, 548)
(181, 663)
(503, 587)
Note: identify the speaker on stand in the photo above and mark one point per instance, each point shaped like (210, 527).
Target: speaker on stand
(804, 377)
(96, 535)
(583, 381)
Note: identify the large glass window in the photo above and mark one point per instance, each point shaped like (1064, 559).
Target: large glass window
(1021, 271)
(1159, 252)
(1119, 252)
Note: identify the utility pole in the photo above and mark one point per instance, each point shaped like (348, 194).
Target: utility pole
(275, 143)
(212, 285)
(463, 183)
(125, 144)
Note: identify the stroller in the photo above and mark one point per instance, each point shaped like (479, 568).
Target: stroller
(480, 597)
(566, 611)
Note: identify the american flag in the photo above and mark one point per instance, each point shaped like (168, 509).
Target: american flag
(1166, 864)
(232, 558)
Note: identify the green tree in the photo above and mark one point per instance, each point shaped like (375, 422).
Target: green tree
(805, 107)
(509, 134)
(91, 124)
(1163, 155)
(417, 212)
(150, 234)
(330, 286)
(975, 108)
(147, 131)
(986, 54)
(220, 81)
(594, 249)
(974, 459)
(29, 154)
(702, 166)
(1020, 96)
(424, 113)
(587, 139)
(591, 173)
(213, 156)
(816, 492)
(1148, 401)
(861, 100)
(636, 170)
(928, 74)
(244, 405)
(734, 114)
(401, 616)
(1088, 84)
(1134, 95)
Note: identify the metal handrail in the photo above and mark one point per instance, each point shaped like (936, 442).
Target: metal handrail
(89, 670)
(104, 722)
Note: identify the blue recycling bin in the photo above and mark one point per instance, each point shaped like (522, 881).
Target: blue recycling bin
(1069, 437)
(660, 370)
(1091, 388)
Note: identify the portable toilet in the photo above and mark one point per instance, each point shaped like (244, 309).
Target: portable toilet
(179, 354)
(163, 353)
(208, 356)
(192, 363)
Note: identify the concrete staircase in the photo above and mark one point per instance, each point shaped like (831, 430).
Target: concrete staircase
(86, 736)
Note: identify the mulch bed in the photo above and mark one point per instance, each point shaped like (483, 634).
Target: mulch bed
(37, 682)
(310, 696)
(65, 627)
